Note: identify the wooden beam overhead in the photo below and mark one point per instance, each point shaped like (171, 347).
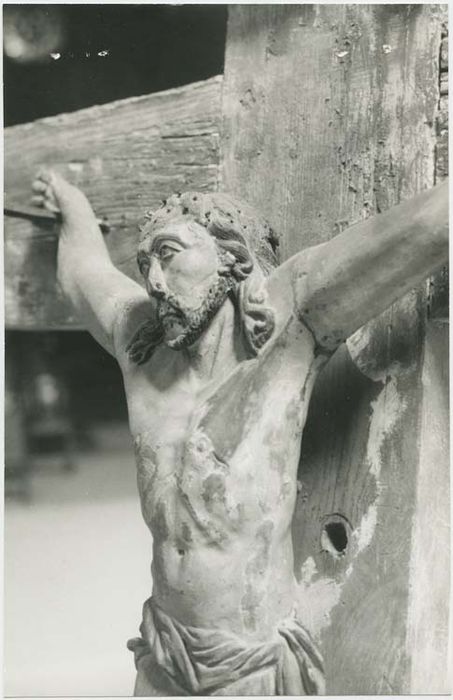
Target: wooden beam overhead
(126, 156)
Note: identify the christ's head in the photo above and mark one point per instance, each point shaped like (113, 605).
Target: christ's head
(195, 251)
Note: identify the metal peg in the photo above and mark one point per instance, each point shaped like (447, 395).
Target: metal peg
(42, 215)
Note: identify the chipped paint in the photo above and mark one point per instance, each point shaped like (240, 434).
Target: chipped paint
(317, 597)
(315, 602)
(308, 570)
(364, 533)
(427, 640)
(75, 167)
(256, 576)
(358, 342)
(370, 364)
(386, 411)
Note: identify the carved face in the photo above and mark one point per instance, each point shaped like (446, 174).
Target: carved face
(180, 263)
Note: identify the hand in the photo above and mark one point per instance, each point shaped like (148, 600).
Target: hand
(54, 193)
(46, 195)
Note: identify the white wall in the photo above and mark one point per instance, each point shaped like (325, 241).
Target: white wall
(77, 571)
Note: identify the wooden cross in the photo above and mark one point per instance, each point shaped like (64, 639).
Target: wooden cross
(325, 115)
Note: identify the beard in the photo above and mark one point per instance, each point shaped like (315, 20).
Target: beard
(173, 314)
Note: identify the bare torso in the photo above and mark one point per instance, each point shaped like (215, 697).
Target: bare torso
(217, 490)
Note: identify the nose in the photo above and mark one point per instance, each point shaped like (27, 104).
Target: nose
(156, 282)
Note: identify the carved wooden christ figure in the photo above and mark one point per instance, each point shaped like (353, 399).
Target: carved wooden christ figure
(219, 355)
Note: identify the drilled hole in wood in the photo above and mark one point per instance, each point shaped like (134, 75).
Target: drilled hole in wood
(335, 536)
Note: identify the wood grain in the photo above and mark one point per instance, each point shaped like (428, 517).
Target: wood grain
(329, 116)
(439, 283)
(428, 625)
(126, 156)
(428, 628)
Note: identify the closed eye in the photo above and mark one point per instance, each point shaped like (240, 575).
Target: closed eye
(167, 252)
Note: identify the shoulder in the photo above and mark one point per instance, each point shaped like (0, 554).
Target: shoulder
(288, 284)
(135, 315)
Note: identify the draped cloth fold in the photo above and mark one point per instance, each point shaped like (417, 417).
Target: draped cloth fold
(201, 661)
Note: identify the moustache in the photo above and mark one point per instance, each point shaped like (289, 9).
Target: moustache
(170, 305)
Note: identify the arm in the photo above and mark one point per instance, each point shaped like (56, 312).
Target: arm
(340, 285)
(104, 297)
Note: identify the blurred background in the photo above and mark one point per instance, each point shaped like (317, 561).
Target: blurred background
(77, 554)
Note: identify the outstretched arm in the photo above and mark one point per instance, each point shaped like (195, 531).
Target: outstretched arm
(340, 285)
(104, 297)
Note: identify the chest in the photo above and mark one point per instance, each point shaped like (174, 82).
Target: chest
(227, 457)
(245, 426)
(217, 484)
(233, 452)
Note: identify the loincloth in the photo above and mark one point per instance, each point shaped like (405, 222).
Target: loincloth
(201, 661)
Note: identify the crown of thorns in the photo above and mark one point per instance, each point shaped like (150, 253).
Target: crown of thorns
(226, 218)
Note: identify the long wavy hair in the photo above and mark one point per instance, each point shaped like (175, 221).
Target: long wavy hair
(245, 242)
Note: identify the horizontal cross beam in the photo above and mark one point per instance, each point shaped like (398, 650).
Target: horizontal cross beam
(126, 156)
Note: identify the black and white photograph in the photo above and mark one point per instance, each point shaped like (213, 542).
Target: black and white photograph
(226, 313)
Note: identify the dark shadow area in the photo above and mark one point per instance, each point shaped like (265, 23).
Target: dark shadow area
(105, 53)
(336, 532)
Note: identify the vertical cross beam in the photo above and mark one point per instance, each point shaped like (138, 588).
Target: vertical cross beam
(329, 116)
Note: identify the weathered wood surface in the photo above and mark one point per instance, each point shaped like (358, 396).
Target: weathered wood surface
(439, 286)
(428, 628)
(329, 116)
(126, 156)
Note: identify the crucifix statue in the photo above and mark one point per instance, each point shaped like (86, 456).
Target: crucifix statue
(219, 353)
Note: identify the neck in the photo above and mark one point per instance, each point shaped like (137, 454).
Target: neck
(220, 348)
